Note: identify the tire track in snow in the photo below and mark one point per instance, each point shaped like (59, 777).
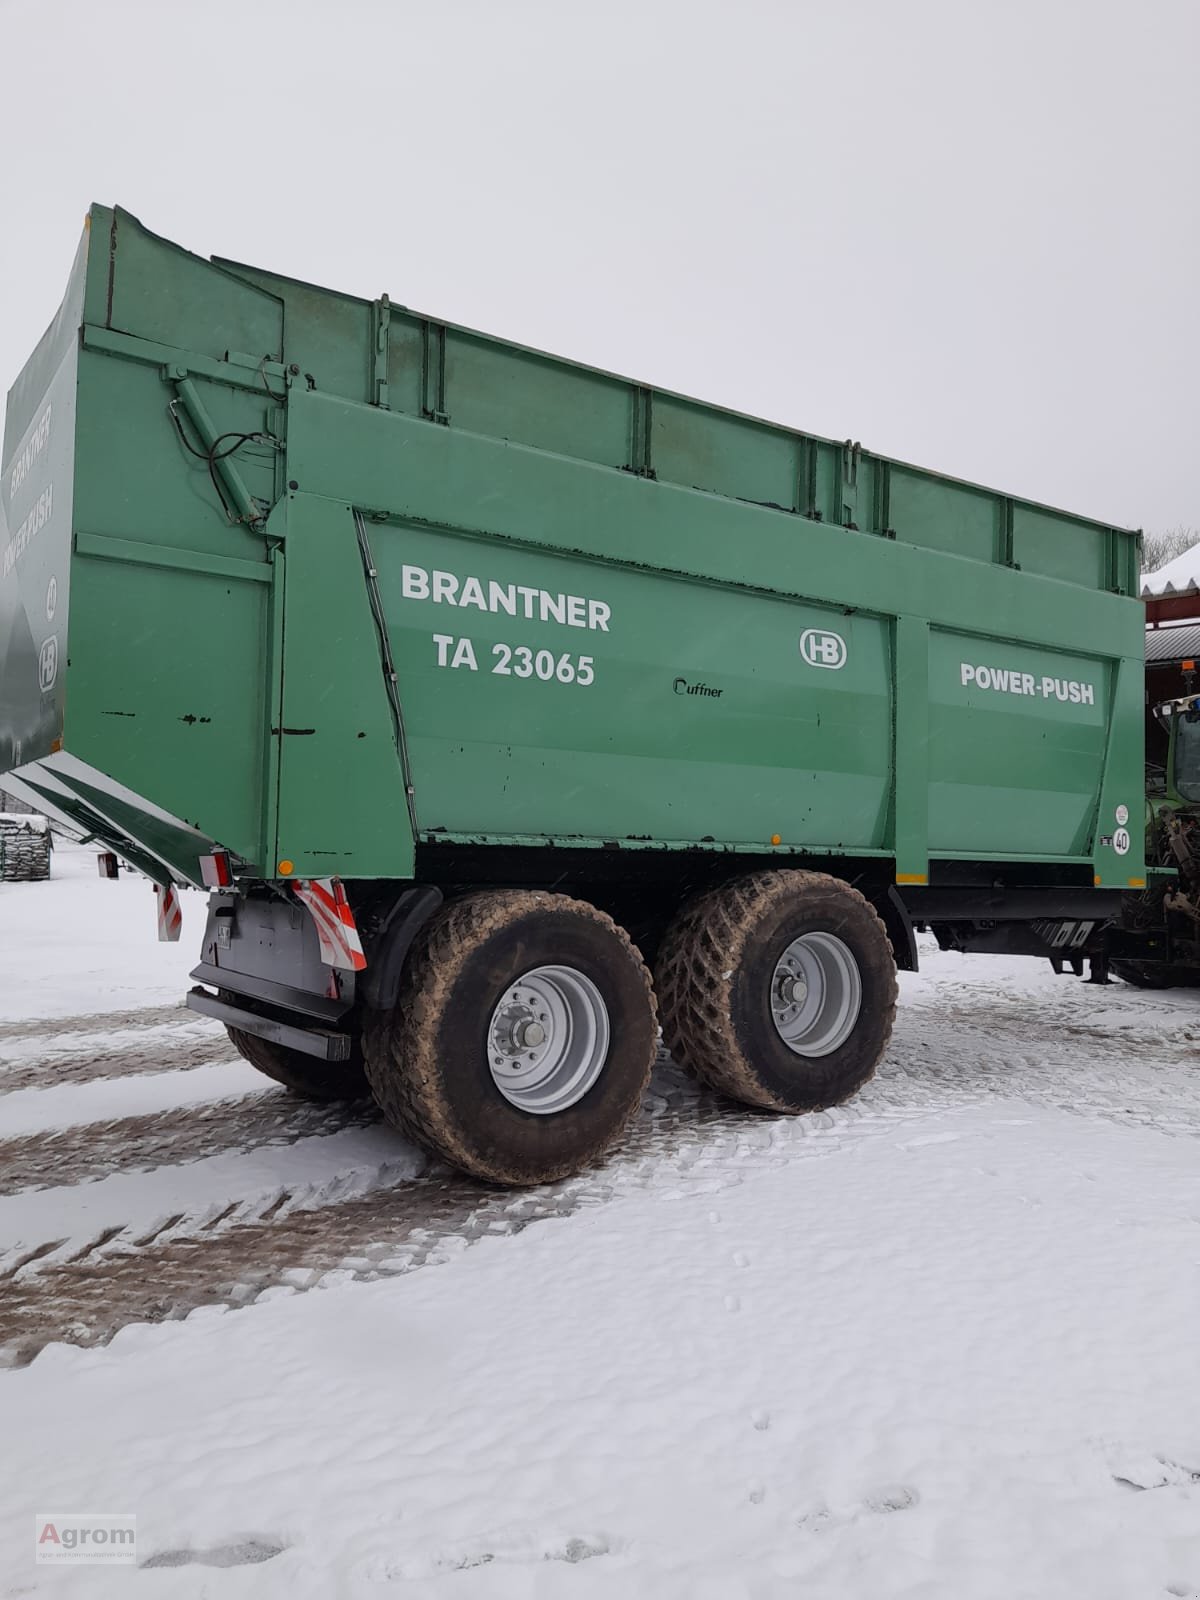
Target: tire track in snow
(945, 1057)
(1066, 1025)
(948, 1054)
(92, 1150)
(87, 1302)
(43, 1230)
(117, 1279)
(173, 1050)
(98, 1022)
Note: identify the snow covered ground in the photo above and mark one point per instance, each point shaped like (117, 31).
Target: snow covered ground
(66, 950)
(941, 1342)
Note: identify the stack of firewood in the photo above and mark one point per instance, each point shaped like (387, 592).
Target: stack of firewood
(24, 849)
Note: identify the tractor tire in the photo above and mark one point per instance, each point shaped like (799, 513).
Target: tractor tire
(305, 1075)
(1144, 975)
(522, 1039)
(779, 990)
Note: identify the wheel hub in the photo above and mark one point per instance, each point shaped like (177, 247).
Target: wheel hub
(520, 1024)
(548, 1039)
(816, 994)
(793, 989)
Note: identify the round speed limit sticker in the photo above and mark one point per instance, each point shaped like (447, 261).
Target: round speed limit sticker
(1121, 841)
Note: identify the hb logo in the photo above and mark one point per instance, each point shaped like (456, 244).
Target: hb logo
(48, 664)
(823, 649)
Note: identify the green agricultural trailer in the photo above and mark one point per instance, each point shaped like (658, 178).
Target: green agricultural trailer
(476, 686)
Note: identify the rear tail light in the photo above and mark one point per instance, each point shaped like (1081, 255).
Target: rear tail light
(217, 870)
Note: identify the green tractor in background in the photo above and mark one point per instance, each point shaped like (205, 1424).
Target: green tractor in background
(1157, 944)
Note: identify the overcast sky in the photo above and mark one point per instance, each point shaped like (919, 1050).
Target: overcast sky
(965, 232)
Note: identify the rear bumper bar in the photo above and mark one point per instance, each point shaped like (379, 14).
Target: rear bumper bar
(320, 1042)
(275, 996)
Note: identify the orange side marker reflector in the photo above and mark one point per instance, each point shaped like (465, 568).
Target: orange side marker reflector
(1096, 880)
(1137, 883)
(776, 838)
(912, 877)
(286, 868)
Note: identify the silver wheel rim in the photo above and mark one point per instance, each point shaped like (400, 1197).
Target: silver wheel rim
(816, 994)
(548, 1039)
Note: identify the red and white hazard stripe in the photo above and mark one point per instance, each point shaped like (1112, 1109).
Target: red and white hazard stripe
(336, 928)
(170, 913)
